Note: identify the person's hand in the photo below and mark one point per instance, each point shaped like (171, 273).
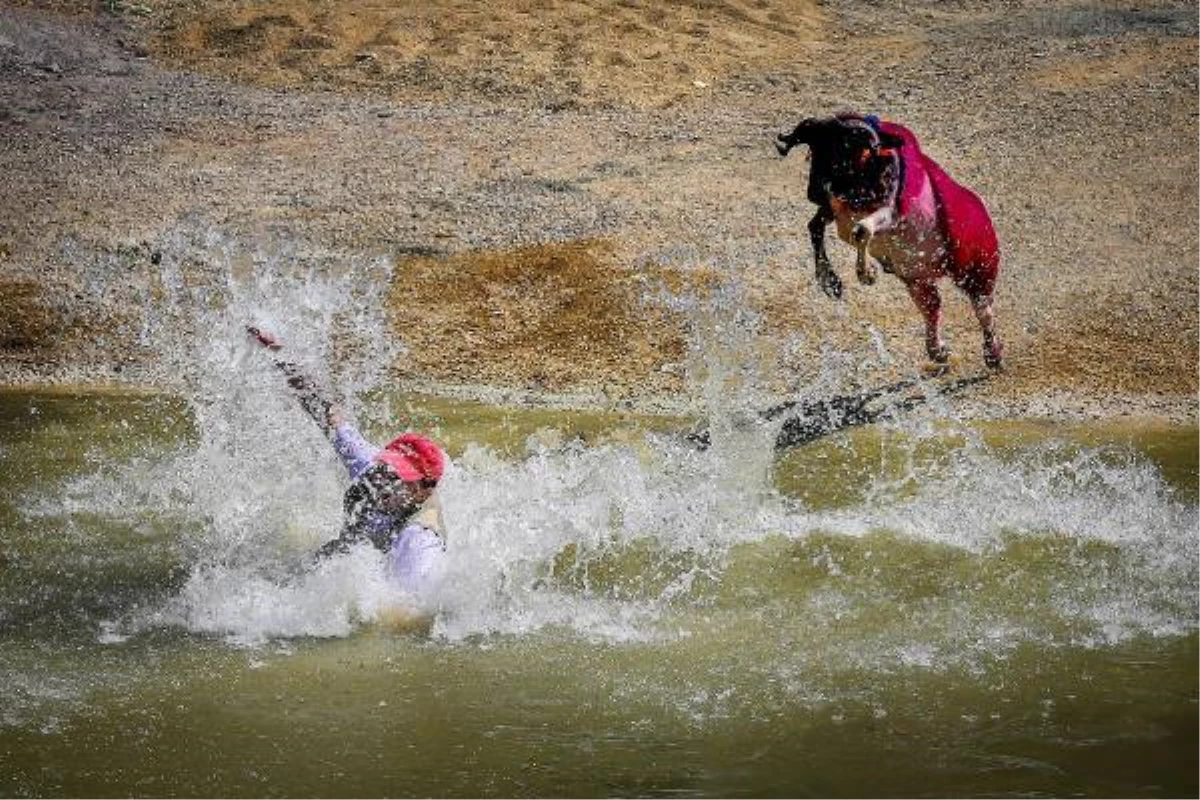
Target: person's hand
(336, 416)
(264, 338)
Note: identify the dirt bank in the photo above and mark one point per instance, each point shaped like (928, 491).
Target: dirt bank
(557, 182)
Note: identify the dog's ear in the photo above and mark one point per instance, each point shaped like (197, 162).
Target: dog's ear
(804, 133)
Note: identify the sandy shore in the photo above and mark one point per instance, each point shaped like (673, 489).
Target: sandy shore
(582, 199)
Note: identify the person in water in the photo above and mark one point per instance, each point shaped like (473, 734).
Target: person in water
(392, 501)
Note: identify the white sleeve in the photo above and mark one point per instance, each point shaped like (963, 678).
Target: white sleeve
(356, 452)
(416, 558)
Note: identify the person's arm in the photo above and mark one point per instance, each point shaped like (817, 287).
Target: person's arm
(355, 451)
(327, 416)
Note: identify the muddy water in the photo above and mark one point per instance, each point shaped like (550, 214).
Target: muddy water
(916, 608)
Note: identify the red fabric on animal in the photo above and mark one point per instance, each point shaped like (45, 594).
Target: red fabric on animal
(973, 260)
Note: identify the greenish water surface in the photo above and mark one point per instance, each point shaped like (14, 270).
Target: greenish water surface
(896, 610)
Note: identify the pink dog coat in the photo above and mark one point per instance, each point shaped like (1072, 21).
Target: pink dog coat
(972, 258)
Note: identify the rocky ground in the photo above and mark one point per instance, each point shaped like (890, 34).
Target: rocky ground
(581, 198)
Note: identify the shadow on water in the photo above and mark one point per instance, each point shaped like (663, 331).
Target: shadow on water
(805, 421)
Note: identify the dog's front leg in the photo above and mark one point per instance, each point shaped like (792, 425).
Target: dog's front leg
(828, 280)
(860, 236)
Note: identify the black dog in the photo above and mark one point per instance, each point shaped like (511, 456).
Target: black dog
(852, 161)
(899, 209)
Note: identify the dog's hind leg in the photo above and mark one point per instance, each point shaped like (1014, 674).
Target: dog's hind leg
(925, 294)
(993, 350)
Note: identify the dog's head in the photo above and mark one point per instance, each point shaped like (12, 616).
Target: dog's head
(846, 138)
(851, 156)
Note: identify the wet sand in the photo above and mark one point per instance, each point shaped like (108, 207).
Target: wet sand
(543, 175)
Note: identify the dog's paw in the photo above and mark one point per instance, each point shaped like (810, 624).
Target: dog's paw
(865, 268)
(993, 357)
(830, 283)
(938, 353)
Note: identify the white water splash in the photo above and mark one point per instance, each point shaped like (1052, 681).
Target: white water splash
(329, 600)
(976, 496)
(513, 523)
(613, 542)
(640, 542)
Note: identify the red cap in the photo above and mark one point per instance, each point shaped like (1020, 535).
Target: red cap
(413, 457)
